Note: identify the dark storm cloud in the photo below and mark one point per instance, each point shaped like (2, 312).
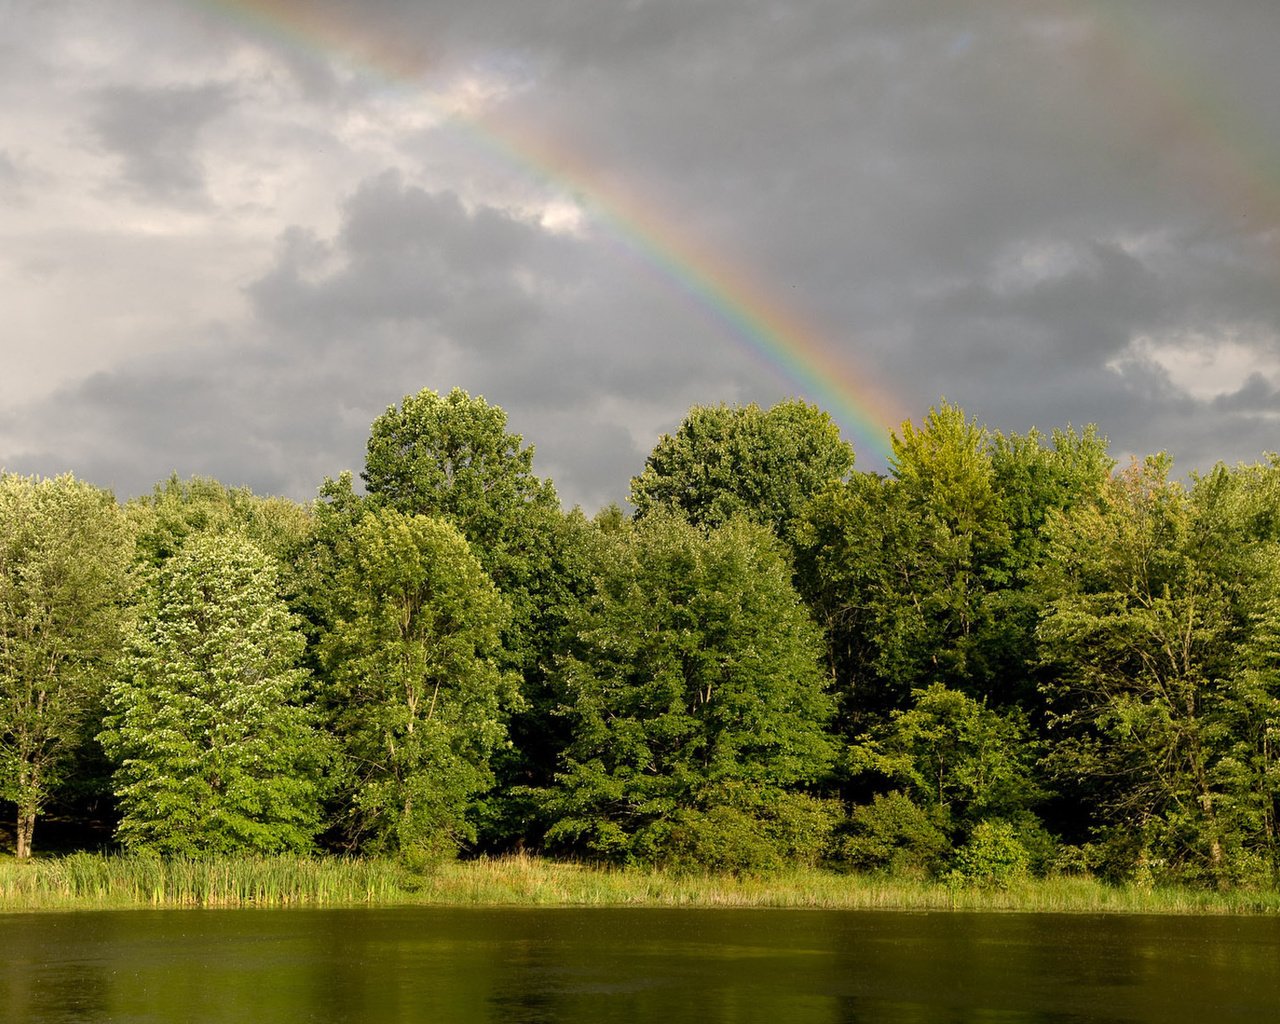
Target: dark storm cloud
(155, 132)
(408, 255)
(413, 291)
(1044, 211)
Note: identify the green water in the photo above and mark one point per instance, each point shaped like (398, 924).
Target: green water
(669, 966)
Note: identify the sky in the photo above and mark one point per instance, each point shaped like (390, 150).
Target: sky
(233, 233)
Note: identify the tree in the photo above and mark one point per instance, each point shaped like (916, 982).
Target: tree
(452, 457)
(725, 461)
(177, 509)
(1249, 773)
(214, 749)
(1151, 673)
(902, 572)
(64, 553)
(696, 702)
(951, 753)
(416, 695)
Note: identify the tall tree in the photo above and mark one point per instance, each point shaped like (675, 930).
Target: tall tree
(64, 552)
(214, 749)
(902, 571)
(696, 699)
(415, 693)
(1147, 625)
(452, 456)
(725, 461)
(178, 509)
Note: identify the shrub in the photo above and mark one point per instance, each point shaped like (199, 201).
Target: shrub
(994, 856)
(895, 834)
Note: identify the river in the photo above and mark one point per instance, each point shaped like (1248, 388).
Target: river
(668, 966)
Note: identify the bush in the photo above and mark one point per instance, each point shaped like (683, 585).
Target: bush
(895, 834)
(994, 856)
(719, 839)
(750, 831)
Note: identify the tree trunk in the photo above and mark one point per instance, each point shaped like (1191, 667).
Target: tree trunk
(26, 828)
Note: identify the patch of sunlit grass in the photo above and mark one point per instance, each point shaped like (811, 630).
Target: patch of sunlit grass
(84, 880)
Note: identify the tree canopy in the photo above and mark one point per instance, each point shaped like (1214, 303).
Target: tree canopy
(725, 461)
(999, 656)
(215, 751)
(64, 553)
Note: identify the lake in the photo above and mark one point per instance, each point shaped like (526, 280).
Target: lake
(670, 966)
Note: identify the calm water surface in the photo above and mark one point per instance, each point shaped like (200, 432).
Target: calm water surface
(671, 966)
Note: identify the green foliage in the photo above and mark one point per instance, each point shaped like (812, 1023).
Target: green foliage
(1035, 481)
(954, 754)
(742, 831)
(64, 553)
(178, 509)
(415, 694)
(214, 751)
(452, 457)
(1157, 636)
(696, 677)
(895, 834)
(993, 856)
(1002, 614)
(726, 461)
(907, 573)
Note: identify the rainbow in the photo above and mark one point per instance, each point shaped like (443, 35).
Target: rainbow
(1140, 78)
(778, 336)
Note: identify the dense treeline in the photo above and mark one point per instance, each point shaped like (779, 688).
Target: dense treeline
(1005, 655)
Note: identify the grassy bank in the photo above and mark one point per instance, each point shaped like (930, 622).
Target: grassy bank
(86, 881)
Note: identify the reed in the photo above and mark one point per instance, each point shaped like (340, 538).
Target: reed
(84, 880)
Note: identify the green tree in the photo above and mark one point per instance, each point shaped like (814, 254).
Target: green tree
(725, 461)
(64, 553)
(1249, 772)
(952, 753)
(177, 509)
(924, 576)
(1155, 655)
(696, 702)
(901, 572)
(453, 457)
(214, 749)
(1035, 480)
(416, 695)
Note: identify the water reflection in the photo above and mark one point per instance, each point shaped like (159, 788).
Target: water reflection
(521, 965)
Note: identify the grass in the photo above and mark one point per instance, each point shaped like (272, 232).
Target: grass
(86, 881)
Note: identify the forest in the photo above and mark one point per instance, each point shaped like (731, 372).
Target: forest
(1007, 655)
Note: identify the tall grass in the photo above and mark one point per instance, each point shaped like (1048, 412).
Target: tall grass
(107, 880)
(85, 880)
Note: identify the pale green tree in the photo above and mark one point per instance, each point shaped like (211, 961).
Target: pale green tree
(64, 552)
(178, 509)
(415, 694)
(214, 748)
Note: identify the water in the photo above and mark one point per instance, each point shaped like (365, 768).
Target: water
(669, 966)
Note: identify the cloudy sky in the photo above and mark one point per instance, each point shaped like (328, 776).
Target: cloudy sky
(232, 233)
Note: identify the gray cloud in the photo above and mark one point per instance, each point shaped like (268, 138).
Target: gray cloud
(155, 132)
(1035, 210)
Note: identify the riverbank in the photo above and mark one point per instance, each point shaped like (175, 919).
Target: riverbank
(87, 881)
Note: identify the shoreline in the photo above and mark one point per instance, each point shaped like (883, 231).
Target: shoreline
(84, 881)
